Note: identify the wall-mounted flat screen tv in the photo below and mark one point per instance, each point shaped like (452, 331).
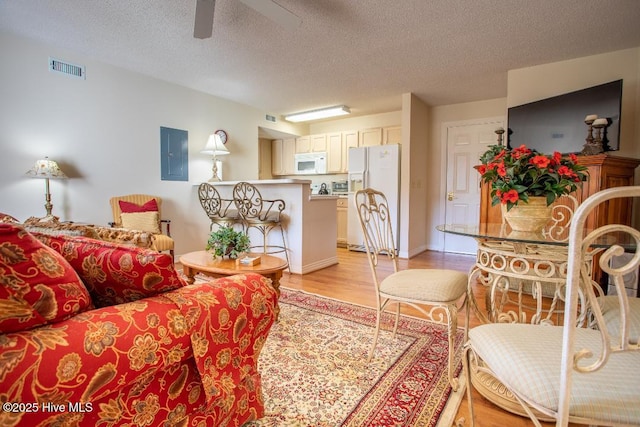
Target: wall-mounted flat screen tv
(557, 123)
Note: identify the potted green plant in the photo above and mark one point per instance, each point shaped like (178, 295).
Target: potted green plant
(226, 241)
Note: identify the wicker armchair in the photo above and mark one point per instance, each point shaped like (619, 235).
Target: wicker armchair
(146, 215)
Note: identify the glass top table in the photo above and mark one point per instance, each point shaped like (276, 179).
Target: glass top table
(523, 274)
(554, 235)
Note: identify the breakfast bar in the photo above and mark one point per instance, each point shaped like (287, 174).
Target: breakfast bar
(310, 222)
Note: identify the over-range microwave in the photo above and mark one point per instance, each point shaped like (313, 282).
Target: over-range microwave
(310, 163)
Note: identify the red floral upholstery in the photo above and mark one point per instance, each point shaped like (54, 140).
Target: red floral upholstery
(7, 218)
(183, 357)
(114, 273)
(37, 285)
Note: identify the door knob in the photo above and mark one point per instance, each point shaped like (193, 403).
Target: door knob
(450, 196)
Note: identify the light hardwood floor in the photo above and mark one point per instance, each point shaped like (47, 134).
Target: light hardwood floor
(350, 280)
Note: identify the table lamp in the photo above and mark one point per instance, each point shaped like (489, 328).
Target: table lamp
(46, 169)
(215, 147)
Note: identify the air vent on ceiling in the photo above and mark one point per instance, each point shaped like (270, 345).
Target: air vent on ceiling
(270, 118)
(62, 67)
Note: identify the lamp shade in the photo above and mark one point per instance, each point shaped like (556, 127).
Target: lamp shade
(215, 146)
(46, 168)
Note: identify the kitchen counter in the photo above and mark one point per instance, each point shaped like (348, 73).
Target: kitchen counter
(322, 197)
(310, 222)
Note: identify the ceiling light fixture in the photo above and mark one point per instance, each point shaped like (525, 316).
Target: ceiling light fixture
(322, 113)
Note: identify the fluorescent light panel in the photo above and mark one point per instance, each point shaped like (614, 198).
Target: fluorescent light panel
(323, 113)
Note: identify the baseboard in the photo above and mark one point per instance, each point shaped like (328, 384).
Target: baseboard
(308, 268)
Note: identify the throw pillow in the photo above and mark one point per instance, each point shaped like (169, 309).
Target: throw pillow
(144, 221)
(37, 285)
(128, 207)
(116, 273)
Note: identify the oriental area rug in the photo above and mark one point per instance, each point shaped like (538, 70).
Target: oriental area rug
(315, 372)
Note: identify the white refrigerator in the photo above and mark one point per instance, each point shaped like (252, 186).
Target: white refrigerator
(376, 167)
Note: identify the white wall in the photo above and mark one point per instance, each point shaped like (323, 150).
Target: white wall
(105, 134)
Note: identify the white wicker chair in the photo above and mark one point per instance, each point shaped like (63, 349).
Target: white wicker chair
(442, 290)
(578, 373)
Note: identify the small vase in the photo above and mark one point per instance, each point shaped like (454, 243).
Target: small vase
(529, 217)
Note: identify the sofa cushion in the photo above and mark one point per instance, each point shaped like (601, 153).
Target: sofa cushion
(37, 285)
(115, 273)
(145, 221)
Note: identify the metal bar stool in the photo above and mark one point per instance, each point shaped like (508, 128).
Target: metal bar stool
(263, 215)
(219, 210)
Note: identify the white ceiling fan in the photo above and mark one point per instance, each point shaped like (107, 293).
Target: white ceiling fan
(203, 26)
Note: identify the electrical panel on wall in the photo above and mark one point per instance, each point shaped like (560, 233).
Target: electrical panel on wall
(174, 154)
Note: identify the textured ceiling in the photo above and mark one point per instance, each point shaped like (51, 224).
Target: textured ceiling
(362, 53)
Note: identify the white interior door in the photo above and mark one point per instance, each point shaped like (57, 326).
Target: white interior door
(465, 144)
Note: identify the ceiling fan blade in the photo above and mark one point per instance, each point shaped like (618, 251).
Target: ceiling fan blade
(203, 26)
(275, 12)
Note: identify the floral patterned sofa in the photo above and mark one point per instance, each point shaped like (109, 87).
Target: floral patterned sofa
(99, 334)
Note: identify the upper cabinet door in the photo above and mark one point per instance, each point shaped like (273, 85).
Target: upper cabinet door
(370, 137)
(303, 144)
(335, 152)
(392, 135)
(288, 156)
(276, 157)
(319, 143)
(350, 140)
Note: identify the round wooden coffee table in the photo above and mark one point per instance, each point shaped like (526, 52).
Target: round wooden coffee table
(203, 262)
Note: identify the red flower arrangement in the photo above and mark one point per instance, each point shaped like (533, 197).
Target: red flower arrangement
(519, 173)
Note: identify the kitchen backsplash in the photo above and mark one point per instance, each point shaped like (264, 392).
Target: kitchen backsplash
(318, 180)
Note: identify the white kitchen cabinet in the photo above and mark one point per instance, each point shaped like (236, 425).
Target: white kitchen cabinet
(276, 157)
(338, 144)
(318, 143)
(370, 137)
(303, 144)
(288, 156)
(342, 217)
(282, 156)
(349, 139)
(392, 135)
(335, 153)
